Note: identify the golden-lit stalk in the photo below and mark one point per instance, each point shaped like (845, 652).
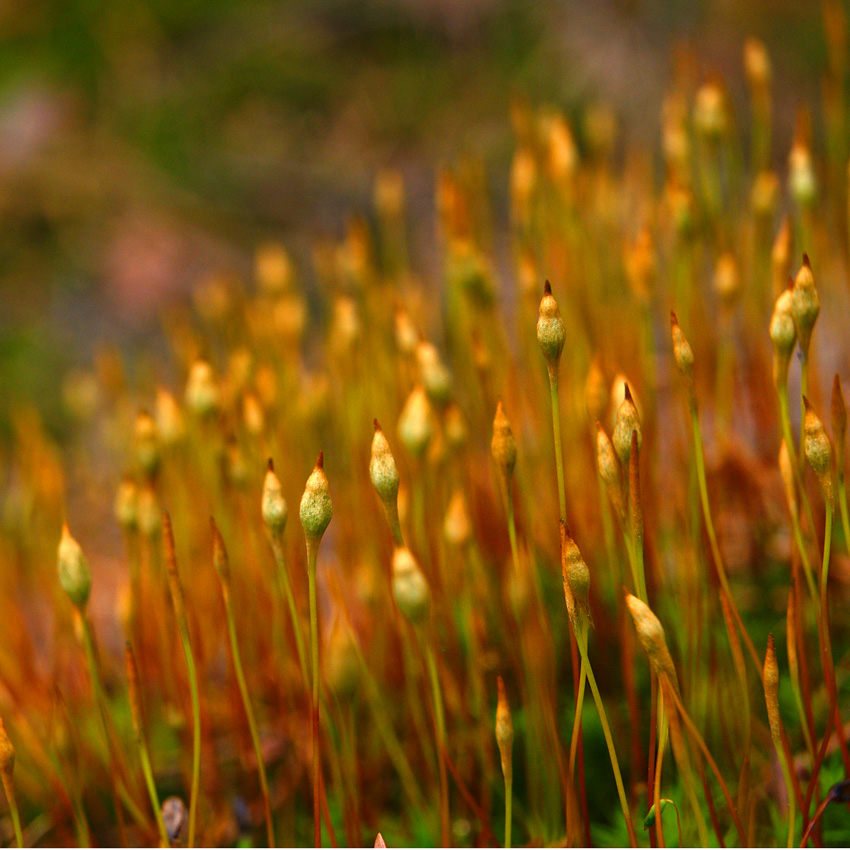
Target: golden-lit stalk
(179, 604)
(7, 766)
(316, 512)
(505, 740)
(221, 563)
(440, 730)
(139, 730)
(770, 679)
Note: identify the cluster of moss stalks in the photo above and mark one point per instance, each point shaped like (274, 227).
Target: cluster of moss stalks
(400, 658)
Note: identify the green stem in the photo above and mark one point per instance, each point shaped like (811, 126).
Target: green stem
(147, 771)
(829, 664)
(796, 459)
(577, 719)
(249, 713)
(842, 504)
(556, 428)
(792, 803)
(662, 745)
(640, 590)
(509, 798)
(694, 733)
(804, 558)
(103, 709)
(312, 555)
(712, 537)
(387, 733)
(286, 584)
(576, 734)
(804, 392)
(9, 788)
(827, 546)
(440, 724)
(609, 740)
(507, 490)
(183, 628)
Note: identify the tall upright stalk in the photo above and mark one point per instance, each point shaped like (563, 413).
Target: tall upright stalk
(577, 597)
(316, 511)
(222, 566)
(179, 603)
(141, 743)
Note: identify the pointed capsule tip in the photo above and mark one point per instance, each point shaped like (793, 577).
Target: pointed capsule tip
(547, 288)
(628, 392)
(376, 424)
(673, 320)
(320, 461)
(270, 465)
(806, 403)
(806, 262)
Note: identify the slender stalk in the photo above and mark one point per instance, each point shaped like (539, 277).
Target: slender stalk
(141, 743)
(556, 428)
(179, 603)
(249, 713)
(842, 503)
(9, 788)
(804, 557)
(804, 393)
(793, 665)
(196, 730)
(789, 785)
(829, 664)
(712, 537)
(662, 745)
(103, 709)
(509, 799)
(385, 729)
(680, 753)
(577, 719)
(284, 583)
(440, 726)
(694, 733)
(796, 459)
(312, 555)
(609, 740)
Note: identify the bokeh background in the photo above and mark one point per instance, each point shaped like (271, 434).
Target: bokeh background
(144, 144)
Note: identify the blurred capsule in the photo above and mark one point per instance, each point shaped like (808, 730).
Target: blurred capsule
(174, 816)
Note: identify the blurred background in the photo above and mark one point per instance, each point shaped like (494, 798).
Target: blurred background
(144, 145)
